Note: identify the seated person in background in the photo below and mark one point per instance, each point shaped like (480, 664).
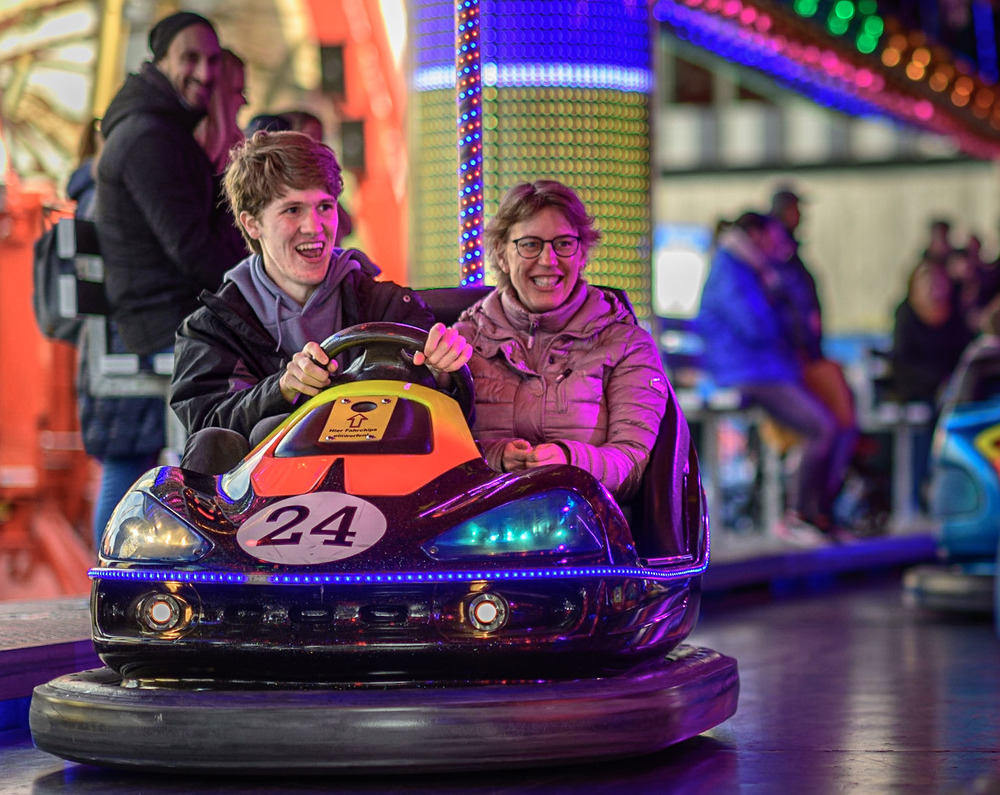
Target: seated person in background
(250, 353)
(929, 335)
(563, 373)
(748, 347)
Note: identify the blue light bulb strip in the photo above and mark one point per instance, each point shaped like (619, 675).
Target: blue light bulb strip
(535, 74)
(395, 578)
(173, 575)
(469, 94)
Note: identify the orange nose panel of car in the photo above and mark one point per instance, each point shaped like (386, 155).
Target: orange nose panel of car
(374, 465)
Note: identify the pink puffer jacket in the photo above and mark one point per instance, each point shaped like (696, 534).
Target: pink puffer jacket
(584, 374)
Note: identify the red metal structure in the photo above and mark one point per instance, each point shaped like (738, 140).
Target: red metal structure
(44, 473)
(375, 94)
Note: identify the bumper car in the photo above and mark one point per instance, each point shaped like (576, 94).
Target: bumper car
(965, 491)
(364, 594)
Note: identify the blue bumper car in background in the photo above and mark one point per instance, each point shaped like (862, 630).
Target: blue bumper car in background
(965, 491)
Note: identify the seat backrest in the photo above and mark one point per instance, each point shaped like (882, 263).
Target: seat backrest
(447, 303)
(665, 513)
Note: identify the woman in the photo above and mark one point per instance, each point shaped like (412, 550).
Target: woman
(563, 373)
(929, 335)
(219, 131)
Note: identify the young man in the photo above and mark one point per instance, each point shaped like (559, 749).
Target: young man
(252, 351)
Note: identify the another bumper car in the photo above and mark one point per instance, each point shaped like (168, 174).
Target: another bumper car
(965, 491)
(363, 593)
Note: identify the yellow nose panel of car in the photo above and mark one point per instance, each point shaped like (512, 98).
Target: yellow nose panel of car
(358, 416)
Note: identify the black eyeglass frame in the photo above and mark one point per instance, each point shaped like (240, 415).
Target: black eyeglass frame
(542, 242)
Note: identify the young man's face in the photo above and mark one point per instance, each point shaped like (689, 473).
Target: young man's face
(192, 65)
(297, 233)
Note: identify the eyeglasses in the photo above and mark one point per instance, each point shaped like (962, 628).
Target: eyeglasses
(531, 247)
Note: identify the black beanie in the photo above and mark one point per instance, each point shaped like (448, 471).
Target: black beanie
(166, 29)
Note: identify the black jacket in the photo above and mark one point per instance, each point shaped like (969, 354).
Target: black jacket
(164, 233)
(226, 368)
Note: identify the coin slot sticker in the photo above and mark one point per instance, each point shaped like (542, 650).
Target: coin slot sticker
(358, 419)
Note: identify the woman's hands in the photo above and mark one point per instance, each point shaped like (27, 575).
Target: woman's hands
(445, 350)
(520, 455)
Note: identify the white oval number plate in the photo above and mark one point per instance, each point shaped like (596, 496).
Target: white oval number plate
(312, 528)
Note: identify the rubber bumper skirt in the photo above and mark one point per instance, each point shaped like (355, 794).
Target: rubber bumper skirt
(90, 717)
(949, 589)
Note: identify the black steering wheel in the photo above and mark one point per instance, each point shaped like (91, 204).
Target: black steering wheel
(388, 354)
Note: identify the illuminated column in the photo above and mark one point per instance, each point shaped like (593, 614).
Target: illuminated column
(468, 80)
(565, 94)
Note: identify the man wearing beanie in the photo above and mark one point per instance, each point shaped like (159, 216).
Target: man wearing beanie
(164, 234)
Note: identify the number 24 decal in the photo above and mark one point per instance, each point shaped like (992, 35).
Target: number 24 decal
(312, 528)
(337, 525)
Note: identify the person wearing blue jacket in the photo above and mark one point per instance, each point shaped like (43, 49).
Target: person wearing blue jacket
(748, 346)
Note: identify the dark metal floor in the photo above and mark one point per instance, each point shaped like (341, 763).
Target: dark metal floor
(843, 691)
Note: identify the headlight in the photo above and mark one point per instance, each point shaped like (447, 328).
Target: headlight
(143, 529)
(553, 523)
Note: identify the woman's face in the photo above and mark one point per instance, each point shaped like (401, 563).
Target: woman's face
(545, 281)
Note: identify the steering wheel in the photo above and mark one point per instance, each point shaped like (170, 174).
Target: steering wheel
(388, 354)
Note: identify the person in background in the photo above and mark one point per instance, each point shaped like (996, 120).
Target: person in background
(219, 131)
(803, 323)
(929, 335)
(268, 122)
(748, 347)
(82, 184)
(563, 373)
(250, 354)
(939, 245)
(163, 233)
(305, 122)
(124, 434)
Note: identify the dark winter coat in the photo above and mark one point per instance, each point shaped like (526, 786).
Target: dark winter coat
(226, 366)
(164, 234)
(111, 427)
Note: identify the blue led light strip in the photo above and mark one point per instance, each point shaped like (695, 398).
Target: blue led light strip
(534, 75)
(383, 578)
(469, 88)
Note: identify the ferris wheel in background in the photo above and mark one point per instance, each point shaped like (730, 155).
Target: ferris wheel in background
(48, 59)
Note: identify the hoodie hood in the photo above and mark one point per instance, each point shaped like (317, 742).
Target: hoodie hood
(150, 92)
(291, 325)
